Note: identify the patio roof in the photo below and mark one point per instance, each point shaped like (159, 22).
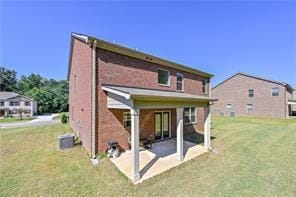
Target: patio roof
(292, 101)
(150, 94)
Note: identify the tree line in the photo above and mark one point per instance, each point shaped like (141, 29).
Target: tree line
(50, 94)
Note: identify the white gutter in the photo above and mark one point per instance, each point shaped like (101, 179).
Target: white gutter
(93, 101)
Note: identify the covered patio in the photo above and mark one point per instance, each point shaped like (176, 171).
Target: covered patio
(160, 158)
(138, 164)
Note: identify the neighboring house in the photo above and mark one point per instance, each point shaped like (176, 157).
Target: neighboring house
(117, 93)
(11, 102)
(248, 95)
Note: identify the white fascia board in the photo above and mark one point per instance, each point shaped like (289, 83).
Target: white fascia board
(125, 95)
(81, 37)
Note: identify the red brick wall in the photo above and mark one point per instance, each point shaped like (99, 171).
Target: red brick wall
(127, 71)
(235, 92)
(116, 69)
(112, 125)
(80, 100)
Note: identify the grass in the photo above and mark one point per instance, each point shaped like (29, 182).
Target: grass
(256, 157)
(10, 119)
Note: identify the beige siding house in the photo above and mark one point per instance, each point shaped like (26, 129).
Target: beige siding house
(11, 102)
(248, 95)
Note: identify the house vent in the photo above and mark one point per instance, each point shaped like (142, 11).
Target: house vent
(65, 141)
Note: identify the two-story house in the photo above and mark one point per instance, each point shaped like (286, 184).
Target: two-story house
(247, 95)
(11, 102)
(117, 93)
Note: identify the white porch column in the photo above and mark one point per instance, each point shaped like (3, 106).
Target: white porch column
(135, 144)
(180, 155)
(207, 127)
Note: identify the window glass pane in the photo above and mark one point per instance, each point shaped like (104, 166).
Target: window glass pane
(192, 119)
(186, 111)
(249, 107)
(228, 107)
(179, 86)
(179, 77)
(165, 121)
(251, 93)
(163, 77)
(127, 120)
(275, 91)
(186, 119)
(203, 87)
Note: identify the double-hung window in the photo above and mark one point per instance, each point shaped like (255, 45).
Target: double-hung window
(275, 91)
(163, 77)
(189, 115)
(127, 120)
(180, 85)
(249, 107)
(251, 93)
(228, 107)
(1, 103)
(14, 103)
(204, 86)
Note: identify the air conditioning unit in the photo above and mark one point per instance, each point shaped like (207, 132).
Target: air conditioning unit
(65, 141)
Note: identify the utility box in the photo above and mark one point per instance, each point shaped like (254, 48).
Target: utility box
(65, 141)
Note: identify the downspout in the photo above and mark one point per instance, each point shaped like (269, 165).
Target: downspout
(93, 99)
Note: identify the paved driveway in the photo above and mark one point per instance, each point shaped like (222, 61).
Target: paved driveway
(40, 120)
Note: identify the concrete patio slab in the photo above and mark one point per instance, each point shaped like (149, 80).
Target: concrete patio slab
(160, 158)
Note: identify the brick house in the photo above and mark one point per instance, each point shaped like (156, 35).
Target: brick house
(248, 95)
(125, 95)
(11, 102)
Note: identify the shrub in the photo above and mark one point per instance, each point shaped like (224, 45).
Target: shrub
(64, 118)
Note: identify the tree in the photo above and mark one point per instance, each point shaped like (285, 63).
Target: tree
(20, 111)
(26, 83)
(8, 79)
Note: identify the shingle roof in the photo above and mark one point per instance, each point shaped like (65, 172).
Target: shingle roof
(4, 95)
(256, 77)
(7, 95)
(156, 94)
(134, 53)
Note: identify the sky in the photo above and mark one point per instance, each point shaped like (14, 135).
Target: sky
(219, 37)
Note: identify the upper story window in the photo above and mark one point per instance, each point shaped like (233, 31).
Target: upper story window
(126, 120)
(275, 91)
(180, 83)
(249, 107)
(228, 107)
(27, 103)
(251, 93)
(204, 86)
(1, 103)
(189, 115)
(14, 103)
(163, 77)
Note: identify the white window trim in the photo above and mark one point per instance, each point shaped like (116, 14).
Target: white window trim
(169, 78)
(249, 93)
(182, 82)
(123, 120)
(247, 107)
(170, 124)
(278, 91)
(188, 123)
(228, 109)
(205, 86)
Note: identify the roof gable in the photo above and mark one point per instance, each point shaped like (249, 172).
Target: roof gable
(133, 53)
(255, 77)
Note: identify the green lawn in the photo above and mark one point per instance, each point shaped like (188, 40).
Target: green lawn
(9, 119)
(256, 157)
